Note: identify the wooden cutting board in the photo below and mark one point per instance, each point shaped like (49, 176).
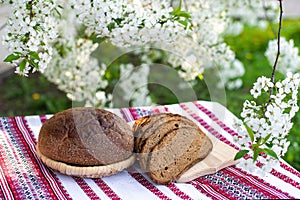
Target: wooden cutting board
(221, 156)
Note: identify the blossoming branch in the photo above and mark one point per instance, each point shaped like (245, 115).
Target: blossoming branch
(268, 118)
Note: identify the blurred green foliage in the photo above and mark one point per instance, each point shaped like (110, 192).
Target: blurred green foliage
(29, 96)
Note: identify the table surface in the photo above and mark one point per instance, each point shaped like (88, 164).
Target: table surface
(23, 175)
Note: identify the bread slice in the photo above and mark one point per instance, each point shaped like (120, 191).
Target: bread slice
(176, 152)
(148, 125)
(157, 134)
(141, 125)
(168, 144)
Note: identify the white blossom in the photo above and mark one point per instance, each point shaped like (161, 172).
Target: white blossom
(247, 165)
(262, 84)
(31, 27)
(77, 73)
(271, 119)
(133, 83)
(289, 59)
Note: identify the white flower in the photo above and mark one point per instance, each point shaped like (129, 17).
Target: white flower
(272, 118)
(247, 165)
(133, 84)
(273, 112)
(289, 60)
(262, 84)
(29, 30)
(257, 124)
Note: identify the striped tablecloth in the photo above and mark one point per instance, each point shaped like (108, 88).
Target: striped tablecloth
(23, 175)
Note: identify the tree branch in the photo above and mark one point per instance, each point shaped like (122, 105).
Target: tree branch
(3, 26)
(278, 42)
(278, 46)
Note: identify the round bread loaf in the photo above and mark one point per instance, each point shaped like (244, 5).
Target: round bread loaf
(169, 144)
(86, 137)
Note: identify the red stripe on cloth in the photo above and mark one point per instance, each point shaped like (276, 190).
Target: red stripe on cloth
(106, 189)
(1, 193)
(232, 132)
(178, 192)
(290, 169)
(29, 141)
(43, 118)
(265, 191)
(206, 190)
(6, 192)
(215, 119)
(86, 188)
(131, 115)
(216, 189)
(147, 184)
(126, 115)
(13, 157)
(257, 182)
(285, 178)
(212, 131)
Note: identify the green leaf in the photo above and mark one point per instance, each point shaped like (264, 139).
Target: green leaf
(184, 23)
(255, 154)
(240, 154)
(111, 26)
(250, 132)
(269, 144)
(183, 14)
(270, 152)
(34, 55)
(266, 138)
(12, 57)
(23, 65)
(33, 64)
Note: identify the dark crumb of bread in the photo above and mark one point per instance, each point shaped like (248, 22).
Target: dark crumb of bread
(169, 145)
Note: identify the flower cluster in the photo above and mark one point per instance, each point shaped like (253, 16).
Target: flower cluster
(133, 84)
(123, 21)
(202, 47)
(267, 123)
(289, 60)
(30, 30)
(77, 73)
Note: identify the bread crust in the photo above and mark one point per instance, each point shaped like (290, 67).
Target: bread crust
(86, 137)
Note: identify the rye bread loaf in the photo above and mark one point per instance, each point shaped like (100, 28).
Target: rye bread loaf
(169, 145)
(86, 137)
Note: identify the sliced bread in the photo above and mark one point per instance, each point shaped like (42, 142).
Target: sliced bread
(168, 145)
(176, 153)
